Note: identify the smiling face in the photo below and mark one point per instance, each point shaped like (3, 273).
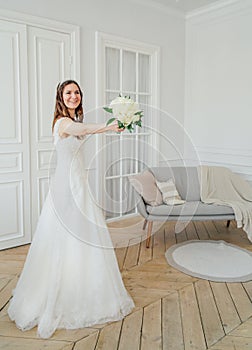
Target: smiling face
(71, 97)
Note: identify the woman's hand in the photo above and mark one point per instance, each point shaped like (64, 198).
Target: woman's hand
(114, 127)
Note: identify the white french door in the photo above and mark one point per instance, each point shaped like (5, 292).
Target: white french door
(128, 74)
(35, 58)
(49, 63)
(14, 137)
(129, 68)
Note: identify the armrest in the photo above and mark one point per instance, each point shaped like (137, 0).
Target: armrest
(141, 206)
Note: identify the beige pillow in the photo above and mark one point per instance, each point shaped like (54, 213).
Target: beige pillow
(145, 184)
(169, 192)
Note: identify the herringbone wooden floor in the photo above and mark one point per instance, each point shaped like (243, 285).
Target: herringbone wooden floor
(173, 311)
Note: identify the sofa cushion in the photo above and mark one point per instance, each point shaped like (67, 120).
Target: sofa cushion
(169, 192)
(190, 209)
(185, 178)
(145, 184)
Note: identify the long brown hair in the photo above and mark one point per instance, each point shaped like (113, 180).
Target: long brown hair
(60, 108)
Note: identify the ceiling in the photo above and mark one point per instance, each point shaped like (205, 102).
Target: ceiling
(185, 5)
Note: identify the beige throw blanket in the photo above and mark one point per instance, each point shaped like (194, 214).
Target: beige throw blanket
(220, 186)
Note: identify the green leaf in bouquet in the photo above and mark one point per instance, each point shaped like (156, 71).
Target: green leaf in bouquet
(107, 109)
(120, 124)
(139, 113)
(110, 121)
(130, 127)
(139, 123)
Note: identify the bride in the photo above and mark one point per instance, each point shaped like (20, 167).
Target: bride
(71, 277)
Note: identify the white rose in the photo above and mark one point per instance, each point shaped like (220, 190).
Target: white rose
(126, 119)
(124, 109)
(119, 108)
(136, 118)
(117, 100)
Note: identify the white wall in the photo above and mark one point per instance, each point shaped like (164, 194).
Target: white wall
(218, 69)
(129, 20)
(219, 86)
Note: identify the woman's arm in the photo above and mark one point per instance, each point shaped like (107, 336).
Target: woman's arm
(68, 127)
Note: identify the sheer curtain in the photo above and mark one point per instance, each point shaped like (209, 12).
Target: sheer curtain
(127, 73)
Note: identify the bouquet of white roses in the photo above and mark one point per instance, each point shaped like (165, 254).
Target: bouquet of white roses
(126, 111)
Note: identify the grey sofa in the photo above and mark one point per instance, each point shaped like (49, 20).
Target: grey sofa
(187, 183)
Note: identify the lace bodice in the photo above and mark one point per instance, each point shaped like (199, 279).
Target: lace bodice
(56, 135)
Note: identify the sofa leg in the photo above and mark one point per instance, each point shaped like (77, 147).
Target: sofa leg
(150, 224)
(145, 223)
(228, 223)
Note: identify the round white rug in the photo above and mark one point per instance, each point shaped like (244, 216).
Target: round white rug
(212, 260)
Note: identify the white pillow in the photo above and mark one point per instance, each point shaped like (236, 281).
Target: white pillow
(145, 184)
(169, 192)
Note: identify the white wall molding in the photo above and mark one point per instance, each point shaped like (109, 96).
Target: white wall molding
(11, 162)
(207, 21)
(12, 229)
(42, 189)
(243, 152)
(44, 159)
(230, 5)
(168, 10)
(244, 171)
(237, 160)
(36, 21)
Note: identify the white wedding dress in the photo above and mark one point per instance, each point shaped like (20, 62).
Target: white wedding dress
(71, 277)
